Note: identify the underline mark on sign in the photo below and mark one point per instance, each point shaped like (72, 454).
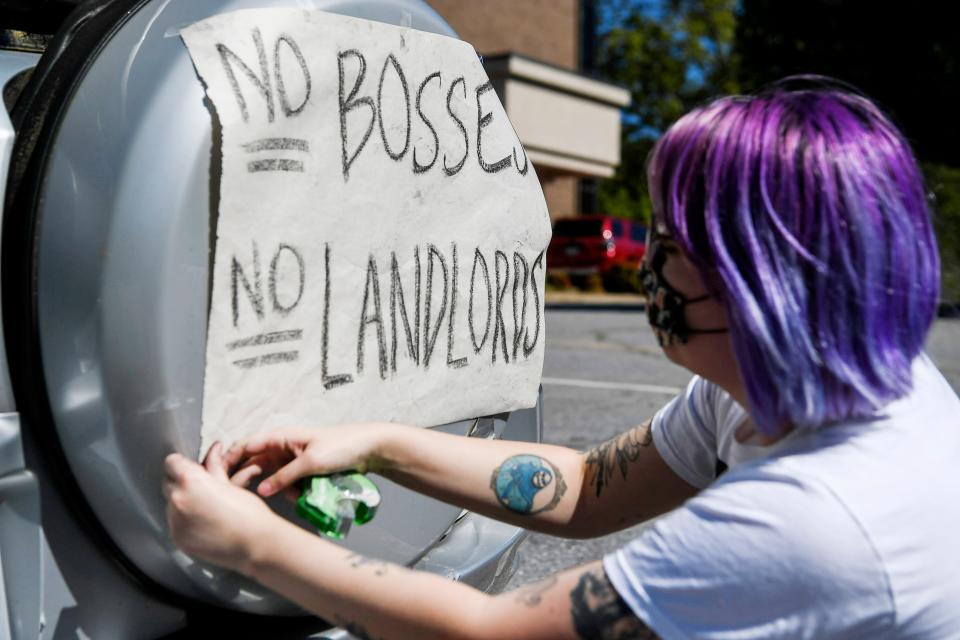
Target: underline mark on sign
(276, 164)
(268, 358)
(271, 144)
(266, 338)
(272, 337)
(624, 386)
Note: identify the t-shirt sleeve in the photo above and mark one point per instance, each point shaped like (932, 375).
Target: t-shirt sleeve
(755, 556)
(685, 434)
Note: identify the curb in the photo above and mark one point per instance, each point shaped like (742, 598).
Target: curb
(945, 310)
(580, 301)
(594, 306)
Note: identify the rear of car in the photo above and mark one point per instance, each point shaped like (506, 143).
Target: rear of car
(595, 244)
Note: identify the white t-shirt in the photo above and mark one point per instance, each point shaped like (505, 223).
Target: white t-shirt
(848, 531)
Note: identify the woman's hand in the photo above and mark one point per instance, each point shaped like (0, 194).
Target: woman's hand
(286, 455)
(210, 515)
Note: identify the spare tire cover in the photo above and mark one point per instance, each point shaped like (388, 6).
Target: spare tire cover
(122, 275)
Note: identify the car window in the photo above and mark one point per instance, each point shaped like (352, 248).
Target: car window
(577, 227)
(617, 227)
(638, 233)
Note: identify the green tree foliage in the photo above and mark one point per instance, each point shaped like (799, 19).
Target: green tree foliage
(671, 55)
(944, 184)
(675, 54)
(905, 57)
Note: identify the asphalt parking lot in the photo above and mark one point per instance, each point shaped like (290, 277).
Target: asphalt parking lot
(603, 374)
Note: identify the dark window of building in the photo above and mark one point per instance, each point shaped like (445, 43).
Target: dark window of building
(588, 37)
(588, 197)
(638, 233)
(575, 227)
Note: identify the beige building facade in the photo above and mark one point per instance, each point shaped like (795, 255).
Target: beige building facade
(534, 51)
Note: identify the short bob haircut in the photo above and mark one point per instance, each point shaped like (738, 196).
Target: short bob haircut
(804, 210)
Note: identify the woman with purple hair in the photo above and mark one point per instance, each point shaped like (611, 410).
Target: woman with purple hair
(793, 270)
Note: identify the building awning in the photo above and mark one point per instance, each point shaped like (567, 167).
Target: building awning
(567, 122)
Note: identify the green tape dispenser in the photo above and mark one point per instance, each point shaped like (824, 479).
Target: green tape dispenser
(332, 503)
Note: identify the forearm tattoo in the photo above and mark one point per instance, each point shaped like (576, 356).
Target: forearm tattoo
(599, 613)
(379, 566)
(528, 484)
(532, 595)
(615, 454)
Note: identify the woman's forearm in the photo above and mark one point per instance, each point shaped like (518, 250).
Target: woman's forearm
(542, 487)
(535, 486)
(367, 597)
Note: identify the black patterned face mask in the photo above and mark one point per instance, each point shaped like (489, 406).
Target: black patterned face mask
(666, 307)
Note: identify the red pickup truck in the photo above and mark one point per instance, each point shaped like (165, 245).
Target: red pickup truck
(595, 244)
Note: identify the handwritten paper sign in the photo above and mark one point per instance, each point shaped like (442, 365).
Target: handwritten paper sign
(381, 237)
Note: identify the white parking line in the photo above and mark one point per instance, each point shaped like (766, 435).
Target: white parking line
(594, 384)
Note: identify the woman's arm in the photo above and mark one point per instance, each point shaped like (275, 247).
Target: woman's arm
(379, 600)
(615, 485)
(542, 487)
(211, 519)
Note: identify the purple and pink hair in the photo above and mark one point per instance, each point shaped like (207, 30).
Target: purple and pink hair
(805, 213)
